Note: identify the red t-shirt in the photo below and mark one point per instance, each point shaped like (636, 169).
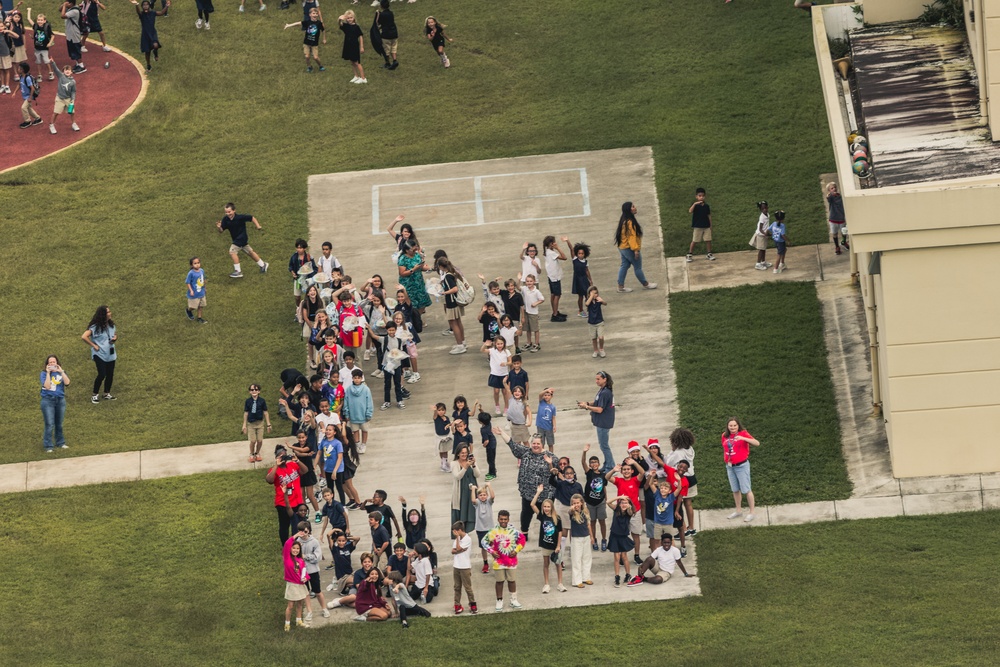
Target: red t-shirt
(628, 487)
(734, 451)
(287, 474)
(672, 477)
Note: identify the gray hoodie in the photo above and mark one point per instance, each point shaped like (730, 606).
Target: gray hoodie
(312, 553)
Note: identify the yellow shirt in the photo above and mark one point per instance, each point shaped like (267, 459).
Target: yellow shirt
(630, 239)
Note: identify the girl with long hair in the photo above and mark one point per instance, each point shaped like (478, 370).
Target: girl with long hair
(101, 335)
(628, 239)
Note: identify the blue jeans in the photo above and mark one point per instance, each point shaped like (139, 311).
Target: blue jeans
(633, 259)
(53, 410)
(603, 436)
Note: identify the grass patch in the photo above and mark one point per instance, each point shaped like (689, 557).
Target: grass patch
(115, 221)
(165, 573)
(757, 352)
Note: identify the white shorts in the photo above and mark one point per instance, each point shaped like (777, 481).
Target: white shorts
(42, 57)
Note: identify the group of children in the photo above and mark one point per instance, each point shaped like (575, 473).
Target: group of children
(13, 54)
(384, 26)
(652, 496)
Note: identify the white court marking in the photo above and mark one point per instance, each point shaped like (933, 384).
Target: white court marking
(478, 200)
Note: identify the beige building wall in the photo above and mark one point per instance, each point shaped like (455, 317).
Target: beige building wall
(940, 336)
(886, 11)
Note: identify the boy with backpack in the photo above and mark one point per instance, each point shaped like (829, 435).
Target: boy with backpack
(42, 37)
(29, 93)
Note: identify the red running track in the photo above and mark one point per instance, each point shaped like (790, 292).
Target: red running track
(102, 95)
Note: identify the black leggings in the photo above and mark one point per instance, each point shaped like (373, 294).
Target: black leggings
(392, 380)
(206, 14)
(333, 479)
(105, 374)
(527, 514)
(415, 609)
(284, 523)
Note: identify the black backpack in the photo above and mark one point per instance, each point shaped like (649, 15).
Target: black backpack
(35, 85)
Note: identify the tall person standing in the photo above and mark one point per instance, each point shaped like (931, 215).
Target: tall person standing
(101, 335)
(237, 226)
(602, 416)
(54, 382)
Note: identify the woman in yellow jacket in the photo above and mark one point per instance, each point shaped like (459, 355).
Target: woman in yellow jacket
(628, 238)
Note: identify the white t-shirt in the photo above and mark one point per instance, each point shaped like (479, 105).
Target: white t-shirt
(422, 570)
(496, 357)
(327, 264)
(529, 267)
(346, 378)
(676, 455)
(552, 266)
(763, 222)
(508, 333)
(323, 420)
(530, 297)
(666, 559)
(463, 561)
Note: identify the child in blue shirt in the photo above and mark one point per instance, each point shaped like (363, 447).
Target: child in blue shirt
(545, 418)
(778, 233)
(195, 282)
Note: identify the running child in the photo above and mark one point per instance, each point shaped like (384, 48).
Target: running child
(149, 42)
(554, 272)
(195, 283)
(595, 320)
(435, 34)
(312, 30)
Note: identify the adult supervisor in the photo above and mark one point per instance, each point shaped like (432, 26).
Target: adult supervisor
(237, 226)
(535, 469)
(602, 416)
(54, 382)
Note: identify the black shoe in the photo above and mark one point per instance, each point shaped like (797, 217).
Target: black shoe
(395, 64)
(37, 121)
(81, 68)
(637, 560)
(25, 124)
(202, 321)
(387, 66)
(190, 313)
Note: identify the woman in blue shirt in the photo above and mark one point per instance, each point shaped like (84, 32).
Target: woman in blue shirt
(54, 382)
(101, 336)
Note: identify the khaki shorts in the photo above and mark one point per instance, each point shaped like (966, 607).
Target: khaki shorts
(699, 234)
(359, 426)
(42, 57)
(692, 491)
(20, 54)
(660, 528)
(656, 570)
(61, 105)
(635, 524)
(454, 313)
(598, 512)
(255, 431)
(596, 331)
(444, 444)
(200, 302)
(531, 323)
(519, 433)
(296, 288)
(6, 62)
(234, 249)
(563, 512)
(310, 51)
(505, 574)
(390, 47)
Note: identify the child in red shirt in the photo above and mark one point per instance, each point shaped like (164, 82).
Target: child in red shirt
(627, 478)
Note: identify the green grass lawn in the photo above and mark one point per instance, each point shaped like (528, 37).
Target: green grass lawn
(757, 353)
(185, 571)
(726, 95)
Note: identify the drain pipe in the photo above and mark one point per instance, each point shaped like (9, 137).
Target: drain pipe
(978, 17)
(871, 322)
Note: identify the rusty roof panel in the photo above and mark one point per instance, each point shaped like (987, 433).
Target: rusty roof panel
(920, 103)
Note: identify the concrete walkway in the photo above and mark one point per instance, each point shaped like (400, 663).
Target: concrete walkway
(482, 212)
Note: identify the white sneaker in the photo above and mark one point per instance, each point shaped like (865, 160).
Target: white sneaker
(760, 267)
(515, 604)
(106, 49)
(329, 587)
(734, 515)
(594, 355)
(601, 354)
(355, 80)
(84, 49)
(208, 26)
(447, 63)
(368, 355)
(52, 128)
(458, 349)
(768, 265)
(776, 270)
(76, 128)
(309, 616)
(649, 286)
(561, 588)
(326, 614)
(545, 588)
(362, 448)
(499, 602)
(332, 604)
(749, 517)
(361, 81)
(241, 9)
(197, 24)
(263, 7)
